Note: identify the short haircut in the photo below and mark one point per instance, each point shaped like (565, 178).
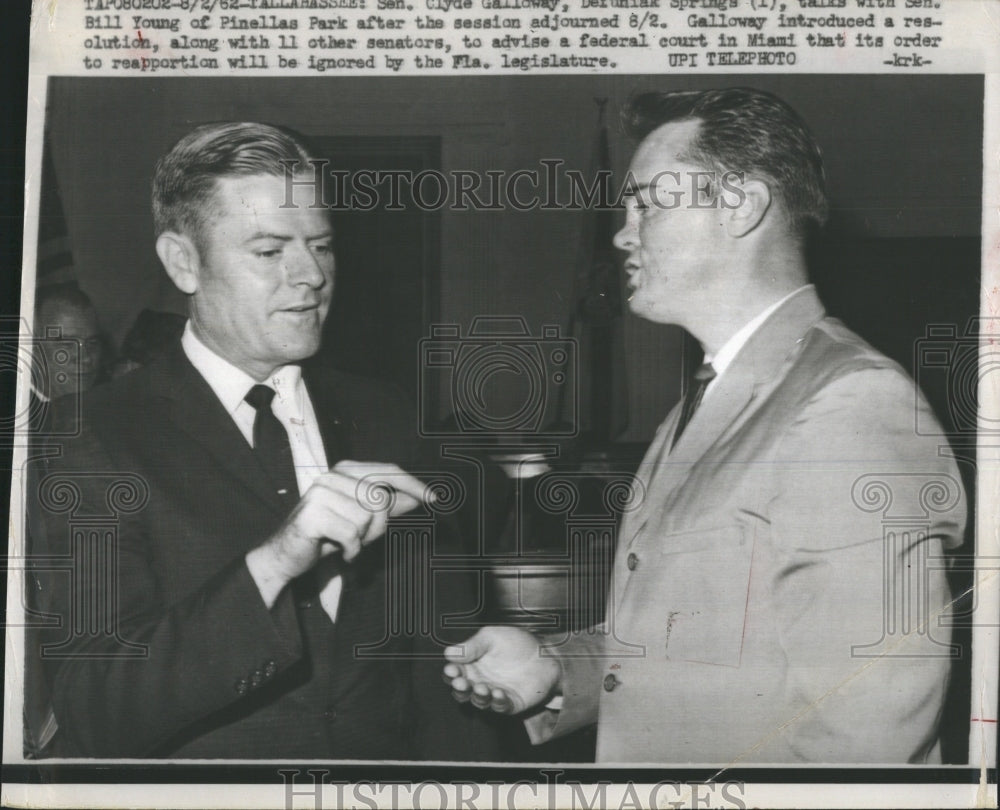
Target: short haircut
(744, 130)
(184, 180)
(62, 296)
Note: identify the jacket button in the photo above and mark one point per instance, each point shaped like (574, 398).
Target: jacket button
(256, 678)
(241, 686)
(632, 562)
(329, 714)
(610, 682)
(269, 669)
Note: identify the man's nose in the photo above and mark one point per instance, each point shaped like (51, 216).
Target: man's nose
(628, 237)
(304, 267)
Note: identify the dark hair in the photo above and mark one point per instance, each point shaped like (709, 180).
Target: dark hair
(743, 130)
(184, 180)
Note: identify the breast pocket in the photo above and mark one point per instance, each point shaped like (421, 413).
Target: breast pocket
(686, 598)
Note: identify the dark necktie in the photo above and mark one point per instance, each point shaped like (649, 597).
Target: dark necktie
(274, 452)
(270, 444)
(703, 375)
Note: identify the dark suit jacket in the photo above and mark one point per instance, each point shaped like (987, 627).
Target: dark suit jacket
(167, 648)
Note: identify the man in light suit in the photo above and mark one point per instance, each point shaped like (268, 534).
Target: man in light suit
(777, 592)
(232, 594)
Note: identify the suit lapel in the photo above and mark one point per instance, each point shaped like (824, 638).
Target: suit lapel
(328, 417)
(360, 616)
(756, 364)
(193, 408)
(720, 409)
(632, 522)
(332, 414)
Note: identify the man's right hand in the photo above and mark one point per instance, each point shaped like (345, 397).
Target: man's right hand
(501, 668)
(344, 510)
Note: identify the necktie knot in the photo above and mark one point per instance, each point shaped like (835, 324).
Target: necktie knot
(270, 442)
(260, 397)
(702, 376)
(705, 373)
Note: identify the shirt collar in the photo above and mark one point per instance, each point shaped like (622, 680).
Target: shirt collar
(731, 347)
(230, 383)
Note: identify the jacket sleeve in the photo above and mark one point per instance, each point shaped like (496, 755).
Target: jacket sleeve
(863, 510)
(130, 668)
(581, 658)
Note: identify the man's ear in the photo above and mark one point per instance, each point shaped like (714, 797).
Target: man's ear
(180, 259)
(749, 201)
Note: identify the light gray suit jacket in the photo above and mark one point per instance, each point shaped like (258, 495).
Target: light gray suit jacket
(777, 591)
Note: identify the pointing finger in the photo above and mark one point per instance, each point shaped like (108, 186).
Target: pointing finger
(387, 474)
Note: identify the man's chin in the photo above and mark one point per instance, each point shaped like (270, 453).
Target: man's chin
(649, 309)
(297, 351)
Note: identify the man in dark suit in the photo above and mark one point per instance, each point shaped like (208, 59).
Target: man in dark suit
(235, 585)
(767, 604)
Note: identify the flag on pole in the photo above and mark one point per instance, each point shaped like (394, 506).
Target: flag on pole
(596, 321)
(54, 271)
(55, 257)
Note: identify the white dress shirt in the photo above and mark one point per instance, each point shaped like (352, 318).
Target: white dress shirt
(722, 358)
(291, 405)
